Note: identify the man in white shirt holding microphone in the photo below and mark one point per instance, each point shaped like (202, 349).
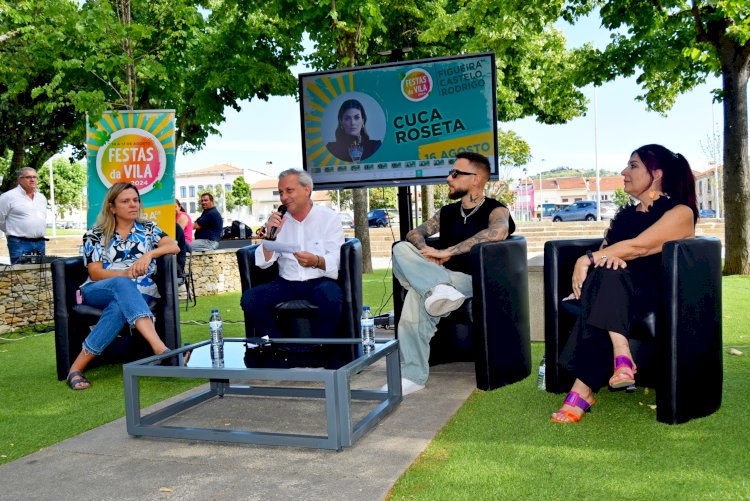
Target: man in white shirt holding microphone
(309, 239)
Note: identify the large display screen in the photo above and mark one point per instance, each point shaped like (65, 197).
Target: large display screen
(397, 124)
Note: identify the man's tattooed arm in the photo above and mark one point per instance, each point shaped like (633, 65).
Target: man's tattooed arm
(496, 230)
(418, 235)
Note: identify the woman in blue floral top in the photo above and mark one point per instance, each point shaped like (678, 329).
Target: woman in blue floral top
(119, 253)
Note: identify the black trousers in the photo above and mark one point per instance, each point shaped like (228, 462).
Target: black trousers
(611, 300)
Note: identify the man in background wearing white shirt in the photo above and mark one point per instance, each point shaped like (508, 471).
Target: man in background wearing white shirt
(309, 273)
(23, 213)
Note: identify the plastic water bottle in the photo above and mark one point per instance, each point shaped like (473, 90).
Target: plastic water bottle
(368, 330)
(217, 339)
(541, 380)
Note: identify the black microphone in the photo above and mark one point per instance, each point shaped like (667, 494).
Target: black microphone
(272, 233)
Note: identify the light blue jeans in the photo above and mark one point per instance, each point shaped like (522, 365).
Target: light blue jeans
(202, 245)
(122, 303)
(416, 327)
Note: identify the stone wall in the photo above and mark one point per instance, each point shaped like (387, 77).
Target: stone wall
(216, 272)
(25, 296)
(26, 290)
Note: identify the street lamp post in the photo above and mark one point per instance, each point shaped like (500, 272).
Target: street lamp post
(526, 201)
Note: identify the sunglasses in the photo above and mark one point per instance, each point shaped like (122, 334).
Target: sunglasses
(455, 173)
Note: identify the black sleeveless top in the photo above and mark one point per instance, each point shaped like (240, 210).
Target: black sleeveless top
(454, 231)
(629, 223)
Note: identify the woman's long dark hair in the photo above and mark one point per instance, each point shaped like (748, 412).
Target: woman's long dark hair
(678, 181)
(342, 136)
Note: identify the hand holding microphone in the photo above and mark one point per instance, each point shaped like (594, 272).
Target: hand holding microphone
(274, 229)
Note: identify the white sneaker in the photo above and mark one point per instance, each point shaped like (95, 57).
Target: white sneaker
(443, 300)
(407, 386)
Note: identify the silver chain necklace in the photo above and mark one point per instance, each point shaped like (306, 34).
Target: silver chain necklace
(476, 208)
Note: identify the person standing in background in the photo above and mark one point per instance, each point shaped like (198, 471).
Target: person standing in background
(23, 215)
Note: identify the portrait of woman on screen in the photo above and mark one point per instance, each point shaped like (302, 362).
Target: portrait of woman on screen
(353, 143)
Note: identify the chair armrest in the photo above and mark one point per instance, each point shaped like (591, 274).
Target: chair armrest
(500, 306)
(691, 341)
(350, 281)
(166, 281)
(559, 259)
(67, 276)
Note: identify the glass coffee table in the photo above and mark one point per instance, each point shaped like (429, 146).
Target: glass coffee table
(270, 364)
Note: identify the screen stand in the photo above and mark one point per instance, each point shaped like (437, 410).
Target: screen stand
(404, 210)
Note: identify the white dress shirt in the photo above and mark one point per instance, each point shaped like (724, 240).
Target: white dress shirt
(320, 233)
(20, 216)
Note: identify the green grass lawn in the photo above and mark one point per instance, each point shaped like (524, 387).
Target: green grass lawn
(37, 410)
(499, 445)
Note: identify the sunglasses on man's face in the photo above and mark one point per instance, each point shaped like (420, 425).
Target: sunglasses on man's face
(455, 173)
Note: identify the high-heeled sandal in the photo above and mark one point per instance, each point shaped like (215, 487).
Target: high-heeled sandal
(625, 371)
(567, 416)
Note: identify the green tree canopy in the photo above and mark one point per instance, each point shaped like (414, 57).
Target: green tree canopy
(61, 59)
(70, 182)
(240, 195)
(621, 198)
(672, 46)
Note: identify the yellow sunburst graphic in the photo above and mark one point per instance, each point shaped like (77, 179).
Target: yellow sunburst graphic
(160, 124)
(320, 93)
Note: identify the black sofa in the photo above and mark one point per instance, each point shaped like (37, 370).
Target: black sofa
(72, 321)
(293, 316)
(677, 347)
(492, 329)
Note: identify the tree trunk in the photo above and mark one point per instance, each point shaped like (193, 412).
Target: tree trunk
(361, 228)
(428, 203)
(735, 70)
(16, 163)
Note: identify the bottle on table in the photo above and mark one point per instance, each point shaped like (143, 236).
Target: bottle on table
(367, 323)
(217, 339)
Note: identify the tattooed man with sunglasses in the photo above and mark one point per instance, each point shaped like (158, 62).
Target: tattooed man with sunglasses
(437, 279)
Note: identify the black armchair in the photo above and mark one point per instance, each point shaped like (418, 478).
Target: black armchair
(293, 316)
(677, 347)
(492, 329)
(72, 321)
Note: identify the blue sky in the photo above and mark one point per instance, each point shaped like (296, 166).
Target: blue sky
(270, 131)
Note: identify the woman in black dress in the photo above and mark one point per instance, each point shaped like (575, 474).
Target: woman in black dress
(353, 143)
(617, 281)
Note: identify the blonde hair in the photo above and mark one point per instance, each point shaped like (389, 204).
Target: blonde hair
(106, 220)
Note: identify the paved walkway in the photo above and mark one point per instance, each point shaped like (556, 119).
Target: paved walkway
(108, 464)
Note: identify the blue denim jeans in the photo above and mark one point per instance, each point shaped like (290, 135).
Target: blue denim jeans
(122, 304)
(18, 247)
(416, 327)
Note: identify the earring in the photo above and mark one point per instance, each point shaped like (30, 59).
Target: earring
(652, 194)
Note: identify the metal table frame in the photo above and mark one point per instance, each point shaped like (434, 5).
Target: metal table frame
(341, 431)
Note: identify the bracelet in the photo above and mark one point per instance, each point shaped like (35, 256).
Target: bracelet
(591, 257)
(317, 262)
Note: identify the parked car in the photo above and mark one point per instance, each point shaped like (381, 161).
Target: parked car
(584, 210)
(706, 213)
(380, 218)
(547, 210)
(347, 221)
